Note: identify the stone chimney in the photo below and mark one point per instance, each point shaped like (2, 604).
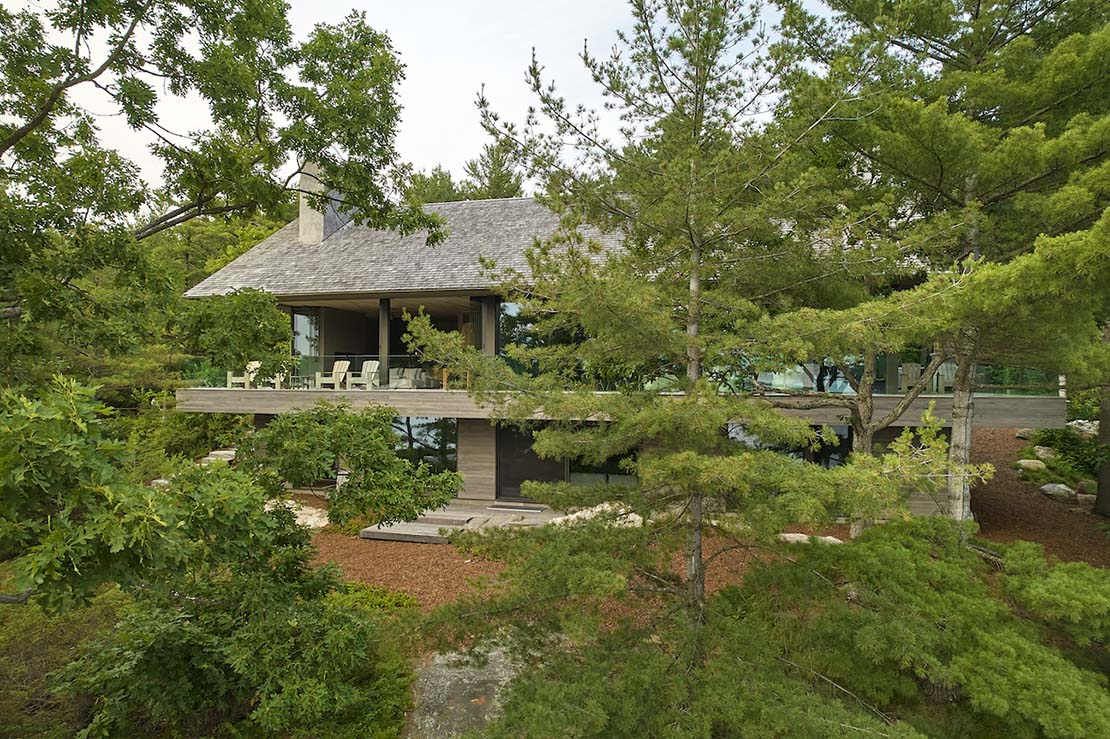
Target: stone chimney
(311, 218)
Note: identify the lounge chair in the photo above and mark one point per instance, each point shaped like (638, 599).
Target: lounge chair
(404, 378)
(946, 377)
(365, 378)
(334, 379)
(911, 373)
(244, 380)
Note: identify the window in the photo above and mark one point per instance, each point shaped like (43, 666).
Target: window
(306, 340)
(608, 473)
(433, 441)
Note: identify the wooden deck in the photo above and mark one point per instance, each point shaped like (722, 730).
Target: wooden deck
(991, 411)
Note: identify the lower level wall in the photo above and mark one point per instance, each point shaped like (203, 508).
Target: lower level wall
(477, 460)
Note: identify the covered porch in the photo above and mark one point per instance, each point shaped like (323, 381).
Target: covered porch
(356, 342)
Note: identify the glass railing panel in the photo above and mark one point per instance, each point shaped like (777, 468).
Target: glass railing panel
(896, 375)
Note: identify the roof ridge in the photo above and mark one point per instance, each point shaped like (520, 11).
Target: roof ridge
(482, 200)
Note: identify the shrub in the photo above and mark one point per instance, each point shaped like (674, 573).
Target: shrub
(1079, 453)
(248, 634)
(305, 446)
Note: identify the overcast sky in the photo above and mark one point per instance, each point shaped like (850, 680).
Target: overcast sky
(449, 48)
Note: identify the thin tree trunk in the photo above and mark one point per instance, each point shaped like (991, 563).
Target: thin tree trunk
(1102, 501)
(695, 566)
(963, 386)
(963, 413)
(863, 428)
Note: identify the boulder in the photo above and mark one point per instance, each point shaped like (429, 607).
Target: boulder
(1087, 487)
(1025, 433)
(1085, 499)
(453, 696)
(794, 538)
(1044, 452)
(1031, 464)
(1058, 490)
(1083, 427)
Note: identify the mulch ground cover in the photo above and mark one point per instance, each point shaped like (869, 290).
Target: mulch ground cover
(1007, 509)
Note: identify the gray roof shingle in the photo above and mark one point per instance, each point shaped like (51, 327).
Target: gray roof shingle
(358, 259)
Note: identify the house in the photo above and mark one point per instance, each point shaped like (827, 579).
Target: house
(345, 287)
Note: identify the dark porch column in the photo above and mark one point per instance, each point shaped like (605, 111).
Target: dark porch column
(489, 324)
(383, 342)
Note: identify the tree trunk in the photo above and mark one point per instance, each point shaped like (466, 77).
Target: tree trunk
(1102, 502)
(963, 412)
(863, 428)
(695, 566)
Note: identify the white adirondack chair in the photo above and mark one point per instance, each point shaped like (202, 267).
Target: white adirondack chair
(366, 377)
(403, 379)
(334, 379)
(244, 380)
(911, 373)
(946, 377)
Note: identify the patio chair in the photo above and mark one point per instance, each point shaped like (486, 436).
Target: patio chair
(911, 373)
(946, 377)
(404, 379)
(334, 379)
(366, 377)
(244, 380)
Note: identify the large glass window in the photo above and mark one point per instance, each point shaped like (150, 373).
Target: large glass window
(306, 340)
(609, 473)
(433, 441)
(516, 463)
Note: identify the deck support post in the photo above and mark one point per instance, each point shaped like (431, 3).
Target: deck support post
(384, 315)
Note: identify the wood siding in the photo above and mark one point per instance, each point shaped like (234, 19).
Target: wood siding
(478, 459)
(991, 411)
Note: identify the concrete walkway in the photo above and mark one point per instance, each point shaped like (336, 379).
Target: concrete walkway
(434, 526)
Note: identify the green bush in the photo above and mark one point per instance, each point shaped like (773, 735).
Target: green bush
(306, 446)
(247, 637)
(1077, 456)
(1083, 404)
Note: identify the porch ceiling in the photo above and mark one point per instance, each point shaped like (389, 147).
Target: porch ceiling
(434, 304)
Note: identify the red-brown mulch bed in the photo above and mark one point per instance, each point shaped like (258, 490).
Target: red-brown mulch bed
(434, 574)
(1009, 509)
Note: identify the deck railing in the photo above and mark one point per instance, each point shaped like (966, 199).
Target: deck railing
(405, 372)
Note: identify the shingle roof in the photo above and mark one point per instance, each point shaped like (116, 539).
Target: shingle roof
(358, 259)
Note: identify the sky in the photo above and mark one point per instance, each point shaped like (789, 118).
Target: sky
(450, 50)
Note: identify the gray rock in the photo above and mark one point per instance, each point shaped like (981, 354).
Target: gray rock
(1031, 464)
(793, 538)
(1083, 427)
(1044, 452)
(1085, 499)
(1025, 433)
(1058, 490)
(453, 696)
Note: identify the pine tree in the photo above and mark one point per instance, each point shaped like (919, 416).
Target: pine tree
(493, 174)
(693, 188)
(983, 124)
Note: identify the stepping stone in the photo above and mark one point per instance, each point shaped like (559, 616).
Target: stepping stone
(420, 533)
(445, 519)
